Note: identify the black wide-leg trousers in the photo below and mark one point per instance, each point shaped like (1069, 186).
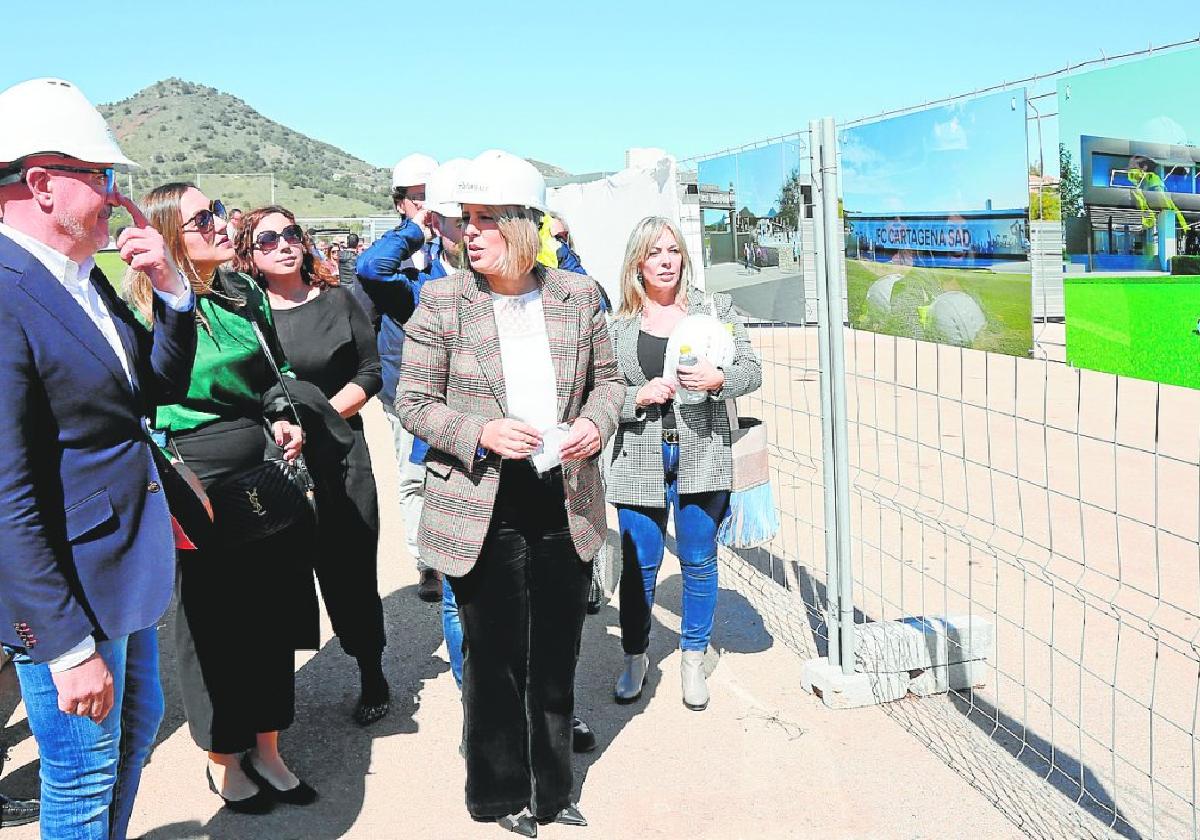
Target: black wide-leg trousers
(522, 608)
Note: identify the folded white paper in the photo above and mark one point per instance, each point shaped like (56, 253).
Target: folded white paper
(549, 455)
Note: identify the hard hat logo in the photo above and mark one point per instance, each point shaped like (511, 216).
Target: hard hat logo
(443, 185)
(52, 116)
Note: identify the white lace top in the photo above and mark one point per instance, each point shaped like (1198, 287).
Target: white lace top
(529, 382)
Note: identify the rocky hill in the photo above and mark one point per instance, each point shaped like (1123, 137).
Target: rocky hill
(179, 130)
(182, 130)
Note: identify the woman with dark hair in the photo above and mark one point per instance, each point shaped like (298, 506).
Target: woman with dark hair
(244, 607)
(509, 376)
(330, 342)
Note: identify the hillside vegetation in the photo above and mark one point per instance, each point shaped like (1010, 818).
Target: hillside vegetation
(179, 130)
(176, 129)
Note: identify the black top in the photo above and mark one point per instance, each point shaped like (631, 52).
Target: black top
(330, 342)
(652, 355)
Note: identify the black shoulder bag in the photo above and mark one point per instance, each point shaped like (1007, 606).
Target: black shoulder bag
(260, 501)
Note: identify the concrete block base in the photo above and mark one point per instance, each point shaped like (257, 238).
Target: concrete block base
(921, 655)
(851, 691)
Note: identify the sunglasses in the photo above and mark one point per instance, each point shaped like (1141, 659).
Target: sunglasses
(203, 221)
(268, 240)
(109, 175)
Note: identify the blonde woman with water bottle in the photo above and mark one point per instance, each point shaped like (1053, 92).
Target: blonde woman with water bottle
(672, 449)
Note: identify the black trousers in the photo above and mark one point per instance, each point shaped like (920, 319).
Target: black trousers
(522, 608)
(346, 552)
(243, 611)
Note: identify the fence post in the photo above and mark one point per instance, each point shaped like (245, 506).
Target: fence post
(832, 591)
(834, 242)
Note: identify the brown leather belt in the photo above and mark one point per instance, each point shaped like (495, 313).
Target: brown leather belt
(670, 436)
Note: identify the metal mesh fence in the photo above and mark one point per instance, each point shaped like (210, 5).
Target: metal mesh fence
(1055, 509)
(786, 580)
(1060, 506)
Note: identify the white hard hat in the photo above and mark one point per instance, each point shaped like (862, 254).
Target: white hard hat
(413, 170)
(51, 116)
(499, 178)
(439, 189)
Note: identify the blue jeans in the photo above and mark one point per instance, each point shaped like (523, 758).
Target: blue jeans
(643, 537)
(452, 630)
(90, 771)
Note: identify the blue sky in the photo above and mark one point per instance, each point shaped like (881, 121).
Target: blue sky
(956, 157)
(757, 174)
(574, 84)
(1159, 101)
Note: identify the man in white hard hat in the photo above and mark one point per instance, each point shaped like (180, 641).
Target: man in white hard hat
(87, 559)
(388, 271)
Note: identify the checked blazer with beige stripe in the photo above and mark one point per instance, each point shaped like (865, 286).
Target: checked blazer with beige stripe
(636, 475)
(452, 384)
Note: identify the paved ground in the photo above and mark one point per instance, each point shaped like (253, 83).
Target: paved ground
(764, 761)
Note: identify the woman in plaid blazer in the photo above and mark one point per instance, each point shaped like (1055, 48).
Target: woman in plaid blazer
(668, 455)
(508, 370)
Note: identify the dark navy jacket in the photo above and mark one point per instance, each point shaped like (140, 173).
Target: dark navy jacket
(86, 545)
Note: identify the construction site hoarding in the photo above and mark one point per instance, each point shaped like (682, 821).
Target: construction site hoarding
(936, 222)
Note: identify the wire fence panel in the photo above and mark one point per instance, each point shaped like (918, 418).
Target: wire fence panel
(786, 579)
(1061, 506)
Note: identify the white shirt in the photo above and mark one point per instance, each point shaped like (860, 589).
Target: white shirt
(530, 385)
(75, 279)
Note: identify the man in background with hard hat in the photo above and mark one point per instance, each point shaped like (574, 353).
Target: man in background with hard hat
(388, 271)
(87, 552)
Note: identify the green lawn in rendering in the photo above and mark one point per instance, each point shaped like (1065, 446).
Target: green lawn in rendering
(1144, 327)
(1006, 300)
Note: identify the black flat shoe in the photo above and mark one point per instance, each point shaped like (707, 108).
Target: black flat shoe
(259, 803)
(367, 713)
(14, 812)
(571, 815)
(301, 794)
(523, 824)
(583, 739)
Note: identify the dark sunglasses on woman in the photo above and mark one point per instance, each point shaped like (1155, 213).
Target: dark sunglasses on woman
(268, 240)
(203, 221)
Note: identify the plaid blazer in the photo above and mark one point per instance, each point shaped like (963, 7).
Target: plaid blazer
(452, 383)
(636, 475)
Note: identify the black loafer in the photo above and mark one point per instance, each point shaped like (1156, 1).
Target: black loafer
(583, 739)
(301, 794)
(259, 803)
(15, 812)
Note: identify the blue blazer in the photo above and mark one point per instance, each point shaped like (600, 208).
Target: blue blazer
(86, 545)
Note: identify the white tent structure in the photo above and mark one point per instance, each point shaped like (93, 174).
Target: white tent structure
(602, 213)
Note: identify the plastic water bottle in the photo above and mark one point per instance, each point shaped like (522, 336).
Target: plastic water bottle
(685, 397)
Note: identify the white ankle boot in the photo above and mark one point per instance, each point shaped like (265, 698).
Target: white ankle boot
(695, 690)
(629, 684)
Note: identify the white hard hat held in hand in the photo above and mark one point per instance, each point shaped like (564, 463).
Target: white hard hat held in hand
(52, 116)
(499, 178)
(413, 170)
(439, 189)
